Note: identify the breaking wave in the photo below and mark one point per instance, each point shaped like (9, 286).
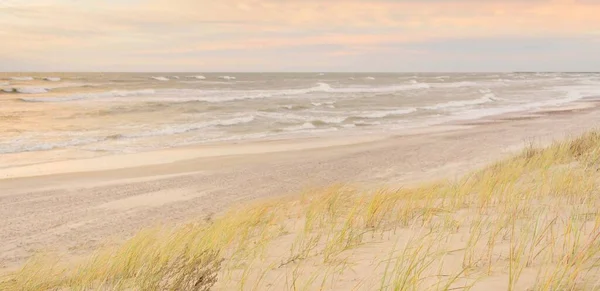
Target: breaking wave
(26, 90)
(386, 113)
(22, 78)
(487, 98)
(77, 97)
(184, 128)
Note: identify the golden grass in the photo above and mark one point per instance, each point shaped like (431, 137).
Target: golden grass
(526, 223)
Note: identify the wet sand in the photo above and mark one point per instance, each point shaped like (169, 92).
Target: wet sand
(73, 206)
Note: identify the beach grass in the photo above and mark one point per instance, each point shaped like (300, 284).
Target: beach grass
(529, 222)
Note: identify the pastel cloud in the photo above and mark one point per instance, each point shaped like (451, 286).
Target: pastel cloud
(251, 35)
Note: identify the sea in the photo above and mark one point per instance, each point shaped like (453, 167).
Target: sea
(53, 116)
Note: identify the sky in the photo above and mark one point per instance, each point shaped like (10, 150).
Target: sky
(300, 35)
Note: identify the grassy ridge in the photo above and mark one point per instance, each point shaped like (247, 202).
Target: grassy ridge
(526, 223)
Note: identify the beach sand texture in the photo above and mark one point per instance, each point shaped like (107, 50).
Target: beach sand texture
(74, 203)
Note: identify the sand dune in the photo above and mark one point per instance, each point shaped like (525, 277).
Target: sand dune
(74, 206)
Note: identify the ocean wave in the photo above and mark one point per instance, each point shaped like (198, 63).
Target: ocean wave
(198, 77)
(17, 146)
(366, 123)
(385, 113)
(287, 117)
(32, 90)
(184, 128)
(489, 97)
(217, 96)
(320, 118)
(77, 97)
(304, 126)
(572, 95)
(26, 90)
(292, 107)
(324, 87)
(370, 78)
(455, 84)
(317, 104)
(51, 79)
(227, 78)
(22, 78)
(160, 78)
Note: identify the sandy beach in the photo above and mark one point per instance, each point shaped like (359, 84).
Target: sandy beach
(272, 145)
(71, 207)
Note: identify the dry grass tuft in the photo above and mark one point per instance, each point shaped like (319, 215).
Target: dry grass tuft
(526, 223)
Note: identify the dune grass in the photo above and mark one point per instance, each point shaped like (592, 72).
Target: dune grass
(530, 222)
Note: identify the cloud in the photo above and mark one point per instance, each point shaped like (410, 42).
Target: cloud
(89, 35)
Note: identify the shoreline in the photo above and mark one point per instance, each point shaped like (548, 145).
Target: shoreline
(263, 146)
(74, 212)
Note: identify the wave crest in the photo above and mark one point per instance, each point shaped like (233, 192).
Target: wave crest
(91, 96)
(22, 78)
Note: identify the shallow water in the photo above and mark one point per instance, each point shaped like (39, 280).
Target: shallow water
(70, 115)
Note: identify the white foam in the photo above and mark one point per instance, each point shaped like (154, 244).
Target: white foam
(367, 123)
(317, 104)
(218, 96)
(462, 103)
(228, 78)
(52, 79)
(572, 94)
(160, 78)
(455, 85)
(18, 146)
(200, 77)
(22, 78)
(292, 117)
(324, 87)
(328, 119)
(369, 78)
(31, 90)
(100, 95)
(386, 113)
(184, 128)
(26, 90)
(304, 126)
